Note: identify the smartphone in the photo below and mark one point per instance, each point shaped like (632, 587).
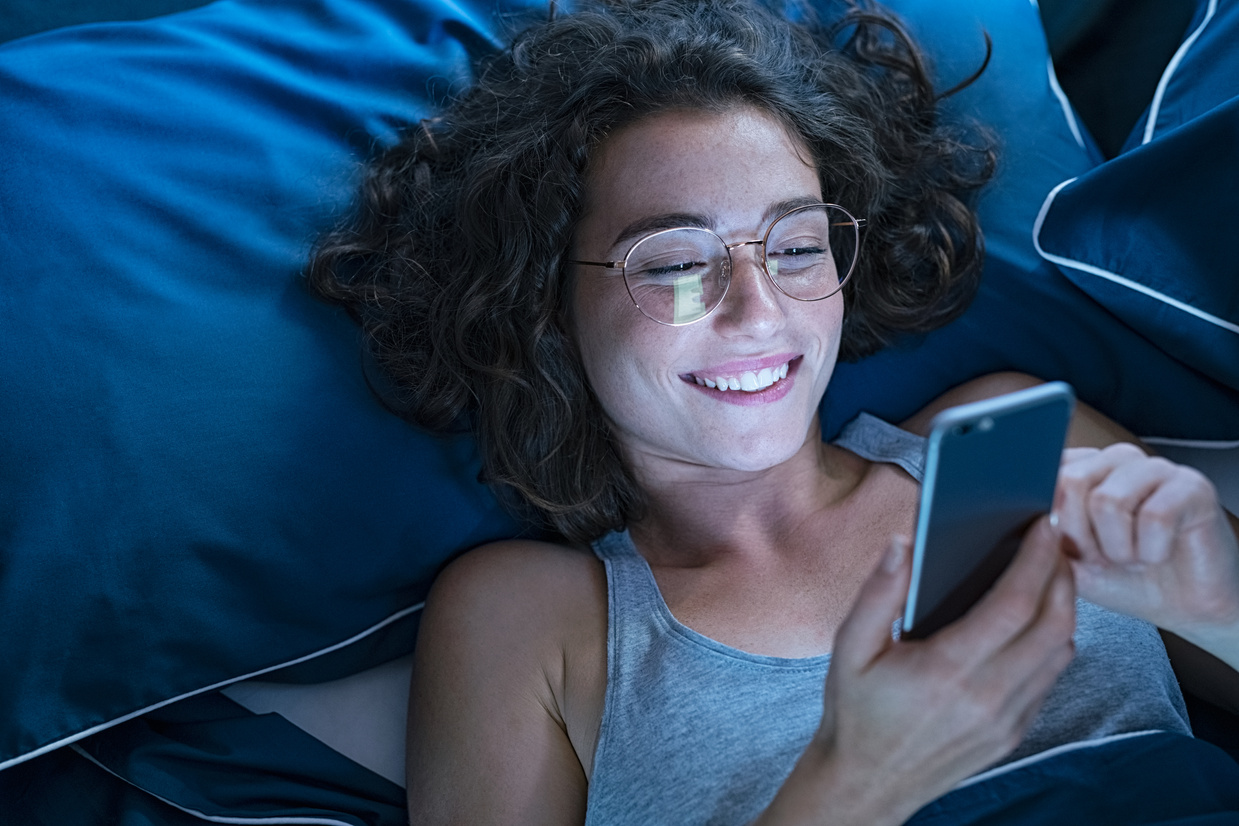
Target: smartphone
(990, 470)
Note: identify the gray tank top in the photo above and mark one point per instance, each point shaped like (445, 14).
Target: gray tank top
(697, 732)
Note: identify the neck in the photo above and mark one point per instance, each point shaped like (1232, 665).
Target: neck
(698, 515)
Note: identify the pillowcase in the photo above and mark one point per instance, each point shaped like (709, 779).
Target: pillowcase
(1028, 315)
(196, 483)
(1148, 234)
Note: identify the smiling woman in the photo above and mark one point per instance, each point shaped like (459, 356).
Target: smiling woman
(468, 224)
(732, 173)
(630, 257)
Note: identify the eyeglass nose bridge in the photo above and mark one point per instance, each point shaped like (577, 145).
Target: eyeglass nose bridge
(731, 263)
(760, 241)
(729, 268)
(761, 258)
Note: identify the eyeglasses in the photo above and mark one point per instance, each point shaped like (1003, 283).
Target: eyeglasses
(679, 276)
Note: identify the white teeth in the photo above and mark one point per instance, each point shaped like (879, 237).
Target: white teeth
(748, 381)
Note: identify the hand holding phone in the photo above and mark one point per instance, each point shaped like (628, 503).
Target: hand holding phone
(990, 471)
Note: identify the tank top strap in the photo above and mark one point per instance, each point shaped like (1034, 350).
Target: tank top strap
(629, 579)
(880, 441)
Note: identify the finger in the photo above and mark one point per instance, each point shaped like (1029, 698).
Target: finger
(1034, 660)
(1026, 703)
(1075, 454)
(1070, 515)
(1009, 687)
(866, 632)
(1122, 589)
(1014, 601)
(1184, 498)
(1115, 503)
(1076, 479)
(1048, 637)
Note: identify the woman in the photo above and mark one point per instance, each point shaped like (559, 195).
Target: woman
(630, 257)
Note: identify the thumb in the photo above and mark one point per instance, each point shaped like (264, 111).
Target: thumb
(866, 632)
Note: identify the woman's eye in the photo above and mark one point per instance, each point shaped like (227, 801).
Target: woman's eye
(789, 252)
(666, 271)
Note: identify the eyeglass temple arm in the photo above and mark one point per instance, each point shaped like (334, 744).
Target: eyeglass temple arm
(611, 265)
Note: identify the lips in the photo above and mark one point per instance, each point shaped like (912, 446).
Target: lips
(745, 375)
(749, 381)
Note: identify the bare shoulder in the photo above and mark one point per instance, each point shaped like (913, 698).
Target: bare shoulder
(539, 580)
(532, 613)
(1089, 427)
(509, 672)
(983, 387)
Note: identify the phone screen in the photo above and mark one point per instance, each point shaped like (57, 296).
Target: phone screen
(990, 470)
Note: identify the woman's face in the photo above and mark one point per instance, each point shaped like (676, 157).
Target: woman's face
(733, 173)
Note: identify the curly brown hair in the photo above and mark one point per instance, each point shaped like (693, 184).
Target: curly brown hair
(454, 264)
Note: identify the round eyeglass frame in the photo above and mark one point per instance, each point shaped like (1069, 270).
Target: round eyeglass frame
(621, 264)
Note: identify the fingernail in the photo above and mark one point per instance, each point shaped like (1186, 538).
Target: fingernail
(894, 555)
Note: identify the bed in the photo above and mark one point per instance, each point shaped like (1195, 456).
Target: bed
(215, 542)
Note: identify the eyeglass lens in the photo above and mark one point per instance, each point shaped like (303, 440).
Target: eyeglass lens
(678, 276)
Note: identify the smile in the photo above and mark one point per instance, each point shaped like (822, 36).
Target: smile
(747, 382)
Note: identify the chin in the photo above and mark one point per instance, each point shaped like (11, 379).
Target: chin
(761, 458)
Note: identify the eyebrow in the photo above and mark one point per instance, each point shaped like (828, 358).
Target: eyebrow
(654, 223)
(673, 220)
(787, 205)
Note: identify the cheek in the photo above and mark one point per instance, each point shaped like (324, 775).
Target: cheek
(827, 321)
(836, 323)
(830, 318)
(627, 358)
(601, 327)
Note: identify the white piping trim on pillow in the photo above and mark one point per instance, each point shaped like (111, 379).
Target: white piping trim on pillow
(1203, 444)
(246, 821)
(1114, 277)
(401, 614)
(1150, 125)
(1068, 112)
(1052, 752)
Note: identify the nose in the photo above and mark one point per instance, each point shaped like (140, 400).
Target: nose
(753, 305)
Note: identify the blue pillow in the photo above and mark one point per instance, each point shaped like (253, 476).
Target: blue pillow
(196, 483)
(1149, 234)
(1028, 315)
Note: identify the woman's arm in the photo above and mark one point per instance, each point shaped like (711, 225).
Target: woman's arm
(505, 629)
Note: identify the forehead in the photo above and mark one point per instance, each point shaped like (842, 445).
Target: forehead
(727, 167)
